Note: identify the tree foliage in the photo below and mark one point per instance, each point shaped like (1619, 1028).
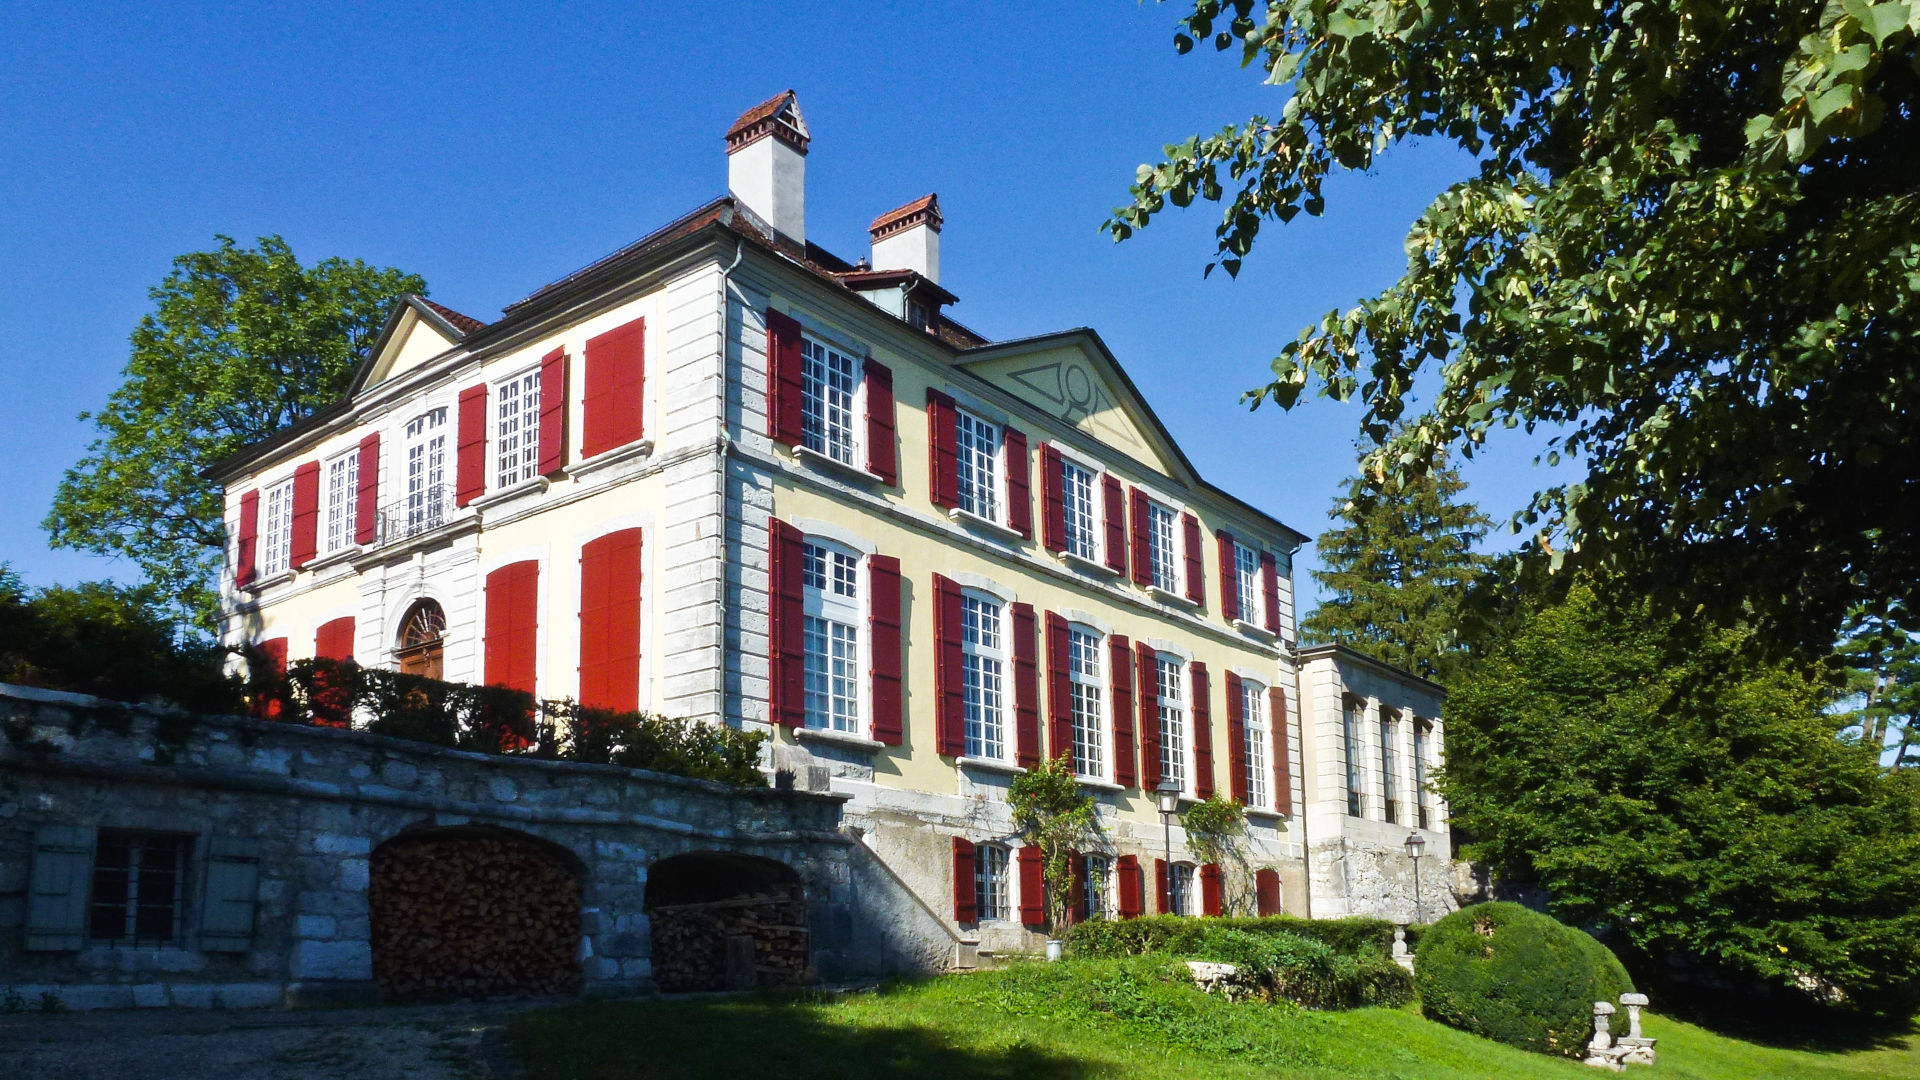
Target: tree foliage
(1652, 780)
(1691, 249)
(1398, 567)
(1883, 667)
(1053, 812)
(241, 343)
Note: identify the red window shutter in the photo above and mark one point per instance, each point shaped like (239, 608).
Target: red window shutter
(246, 565)
(1019, 484)
(943, 449)
(366, 505)
(470, 461)
(305, 541)
(786, 421)
(334, 639)
(963, 883)
(610, 621)
(1059, 689)
(1120, 663)
(1270, 589)
(513, 625)
(883, 458)
(1127, 869)
(883, 617)
(786, 626)
(1202, 695)
(950, 721)
(1077, 873)
(1266, 891)
(553, 412)
(1162, 896)
(1210, 889)
(1236, 740)
(1114, 505)
(1147, 661)
(1282, 771)
(1142, 539)
(1033, 887)
(1053, 503)
(1026, 686)
(272, 657)
(615, 389)
(1229, 576)
(1196, 564)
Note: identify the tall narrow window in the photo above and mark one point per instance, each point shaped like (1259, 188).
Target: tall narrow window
(426, 471)
(1173, 720)
(990, 894)
(343, 484)
(1253, 715)
(1246, 567)
(517, 432)
(138, 895)
(1390, 764)
(1180, 890)
(983, 666)
(1076, 500)
(276, 529)
(831, 578)
(827, 381)
(1087, 684)
(1099, 887)
(1350, 719)
(1161, 553)
(1421, 731)
(977, 444)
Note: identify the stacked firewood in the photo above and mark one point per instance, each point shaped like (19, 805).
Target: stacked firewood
(732, 944)
(472, 917)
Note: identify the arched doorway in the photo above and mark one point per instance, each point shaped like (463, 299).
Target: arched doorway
(722, 921)
(421, 646)
(473, 911)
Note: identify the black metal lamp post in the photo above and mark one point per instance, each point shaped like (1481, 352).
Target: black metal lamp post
(1416, 846)
(1168, 792)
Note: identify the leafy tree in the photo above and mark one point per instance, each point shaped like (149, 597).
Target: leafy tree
(1883, 667)
(241, 343)
(1690, 248)
(1054, 813)
(1398, 568)
(1698, 804)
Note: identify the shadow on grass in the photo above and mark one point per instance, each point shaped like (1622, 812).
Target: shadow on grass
(768, 1037)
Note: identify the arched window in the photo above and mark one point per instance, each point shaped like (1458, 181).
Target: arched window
(1253, 713)
(992, 897)
(422, 641)
(983, 650)
(1173, 719)
(832, 603)
(1087, 683)
(1180, 886)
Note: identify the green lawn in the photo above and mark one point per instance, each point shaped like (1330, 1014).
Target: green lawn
(1106, 1019)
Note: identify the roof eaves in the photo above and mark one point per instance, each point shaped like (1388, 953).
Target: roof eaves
(1348, 652)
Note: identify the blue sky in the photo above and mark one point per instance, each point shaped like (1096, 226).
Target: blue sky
(493, 148)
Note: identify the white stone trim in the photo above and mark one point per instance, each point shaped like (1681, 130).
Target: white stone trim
(839, 534)
(982, 583)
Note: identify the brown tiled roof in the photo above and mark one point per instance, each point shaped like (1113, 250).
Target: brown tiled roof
(466, 324)
(759, 112)
(927, 205)
(763, 120)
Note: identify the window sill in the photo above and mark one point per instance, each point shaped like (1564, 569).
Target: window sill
(538, 483)
(615, 456)
(1086, 565)
(345, 554)
(983, 524)
(812, 458)
(1255, 629)
(278, 577)
(994, 765)
(1098, 785)
(1165, 597)
(1264, 812)
(839, 738)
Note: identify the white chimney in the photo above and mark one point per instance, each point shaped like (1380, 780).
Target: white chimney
(909, 238)
(767, 164)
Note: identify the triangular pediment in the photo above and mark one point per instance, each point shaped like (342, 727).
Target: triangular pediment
(413, 336)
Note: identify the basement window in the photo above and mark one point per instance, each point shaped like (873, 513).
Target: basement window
(139, 888)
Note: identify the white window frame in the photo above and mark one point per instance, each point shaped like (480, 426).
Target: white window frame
(516, 429)
(992, 883)
(979, 447)
(1353, 715)
(1389, 727)
(822, 430)
(426, 476)
(1182, 877)
(1176, 720)
(834, 608)
(1422, 740)
(276, 528)
(1163, 547)
(986, 662)
(343, 498)
(1097, 894)
(1087, 697)
(1247, 581)
(1081, 543)
(1258, 746)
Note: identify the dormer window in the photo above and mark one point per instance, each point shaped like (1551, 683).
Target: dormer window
(918, 315)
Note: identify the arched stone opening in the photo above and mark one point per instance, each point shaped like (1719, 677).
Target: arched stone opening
(722, 921)
(421, 645)
(473, 911)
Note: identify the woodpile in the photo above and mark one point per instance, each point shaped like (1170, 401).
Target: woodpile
(472, 917)
(734, 944)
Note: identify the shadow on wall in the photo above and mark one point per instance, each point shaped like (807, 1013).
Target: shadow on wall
(724, 921)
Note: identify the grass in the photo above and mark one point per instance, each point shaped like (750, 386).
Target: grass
(1108, 1019)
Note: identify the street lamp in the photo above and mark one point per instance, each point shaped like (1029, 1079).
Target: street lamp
(1416, 846)
(1168, 792)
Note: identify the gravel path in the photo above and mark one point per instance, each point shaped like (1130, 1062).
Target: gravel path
(434, 1042)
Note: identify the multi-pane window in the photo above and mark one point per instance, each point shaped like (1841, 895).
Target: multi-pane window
(1180, 889)
(1162, 560)
(1173, 721)
(276, 528)
(139, 881)
(1087, 688)
(990, 898)
(827, 383)
(830, 578)
(1253, 714)
(1246, 568)
(1076, 499)
(984, 658)
(426, 470)
(343, 489)
(1390, 764)
(1350, 720)
(1098, 896)
(517, 430)
(1420, 733)
(978, 445)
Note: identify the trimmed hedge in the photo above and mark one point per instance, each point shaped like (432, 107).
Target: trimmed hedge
(1182, 934)
(1306, 971)
(1516, 976)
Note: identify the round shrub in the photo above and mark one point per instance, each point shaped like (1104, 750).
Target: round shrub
(1516, 976)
